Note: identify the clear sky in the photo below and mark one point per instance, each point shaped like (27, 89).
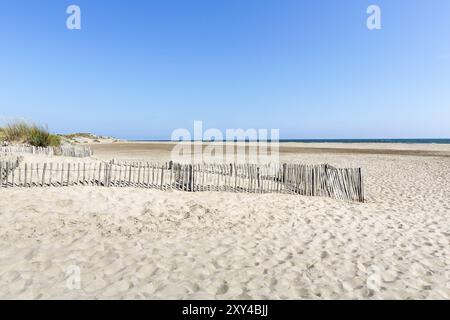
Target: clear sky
(140, 69)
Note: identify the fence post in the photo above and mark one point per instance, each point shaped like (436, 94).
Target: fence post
(68, 174)
(7, 173)
(361, 186)
(108, 175)
(283, 177)
(191, 178)
(1, 174)
(43, 174)
(257, 177)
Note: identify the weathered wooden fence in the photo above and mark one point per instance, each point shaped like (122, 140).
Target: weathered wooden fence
(7, 168)
(310, 180)
(27, 149)
(74, 151)
(68, 151)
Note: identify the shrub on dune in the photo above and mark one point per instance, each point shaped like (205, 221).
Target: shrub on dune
(22, 132)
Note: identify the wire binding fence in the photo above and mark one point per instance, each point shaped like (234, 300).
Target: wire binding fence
(309, 180)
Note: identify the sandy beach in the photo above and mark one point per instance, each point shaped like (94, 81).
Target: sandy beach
(130, 243)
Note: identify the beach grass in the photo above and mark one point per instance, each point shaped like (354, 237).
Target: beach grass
(23, 132)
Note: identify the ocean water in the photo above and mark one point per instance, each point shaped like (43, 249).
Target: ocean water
(409, 141)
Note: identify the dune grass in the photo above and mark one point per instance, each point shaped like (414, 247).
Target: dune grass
(23, 132)
(79, 134)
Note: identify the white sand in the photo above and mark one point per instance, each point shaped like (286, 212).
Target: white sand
(148, 244)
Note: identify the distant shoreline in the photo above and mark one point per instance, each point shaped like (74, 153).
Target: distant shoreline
(139, 149)
(403, 141)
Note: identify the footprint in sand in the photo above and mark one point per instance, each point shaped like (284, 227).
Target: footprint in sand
(222, 289)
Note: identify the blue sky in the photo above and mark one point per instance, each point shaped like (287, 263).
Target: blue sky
(140, 69)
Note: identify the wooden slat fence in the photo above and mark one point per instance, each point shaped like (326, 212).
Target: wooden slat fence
(74, 151)
(309, 180)
(7, 168)
(26, 149)
(68, 151)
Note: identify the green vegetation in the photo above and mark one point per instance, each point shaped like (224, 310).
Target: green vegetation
(79, 134)
(2, 135)
(22, 132)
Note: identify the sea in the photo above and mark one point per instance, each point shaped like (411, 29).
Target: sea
(408, 141)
